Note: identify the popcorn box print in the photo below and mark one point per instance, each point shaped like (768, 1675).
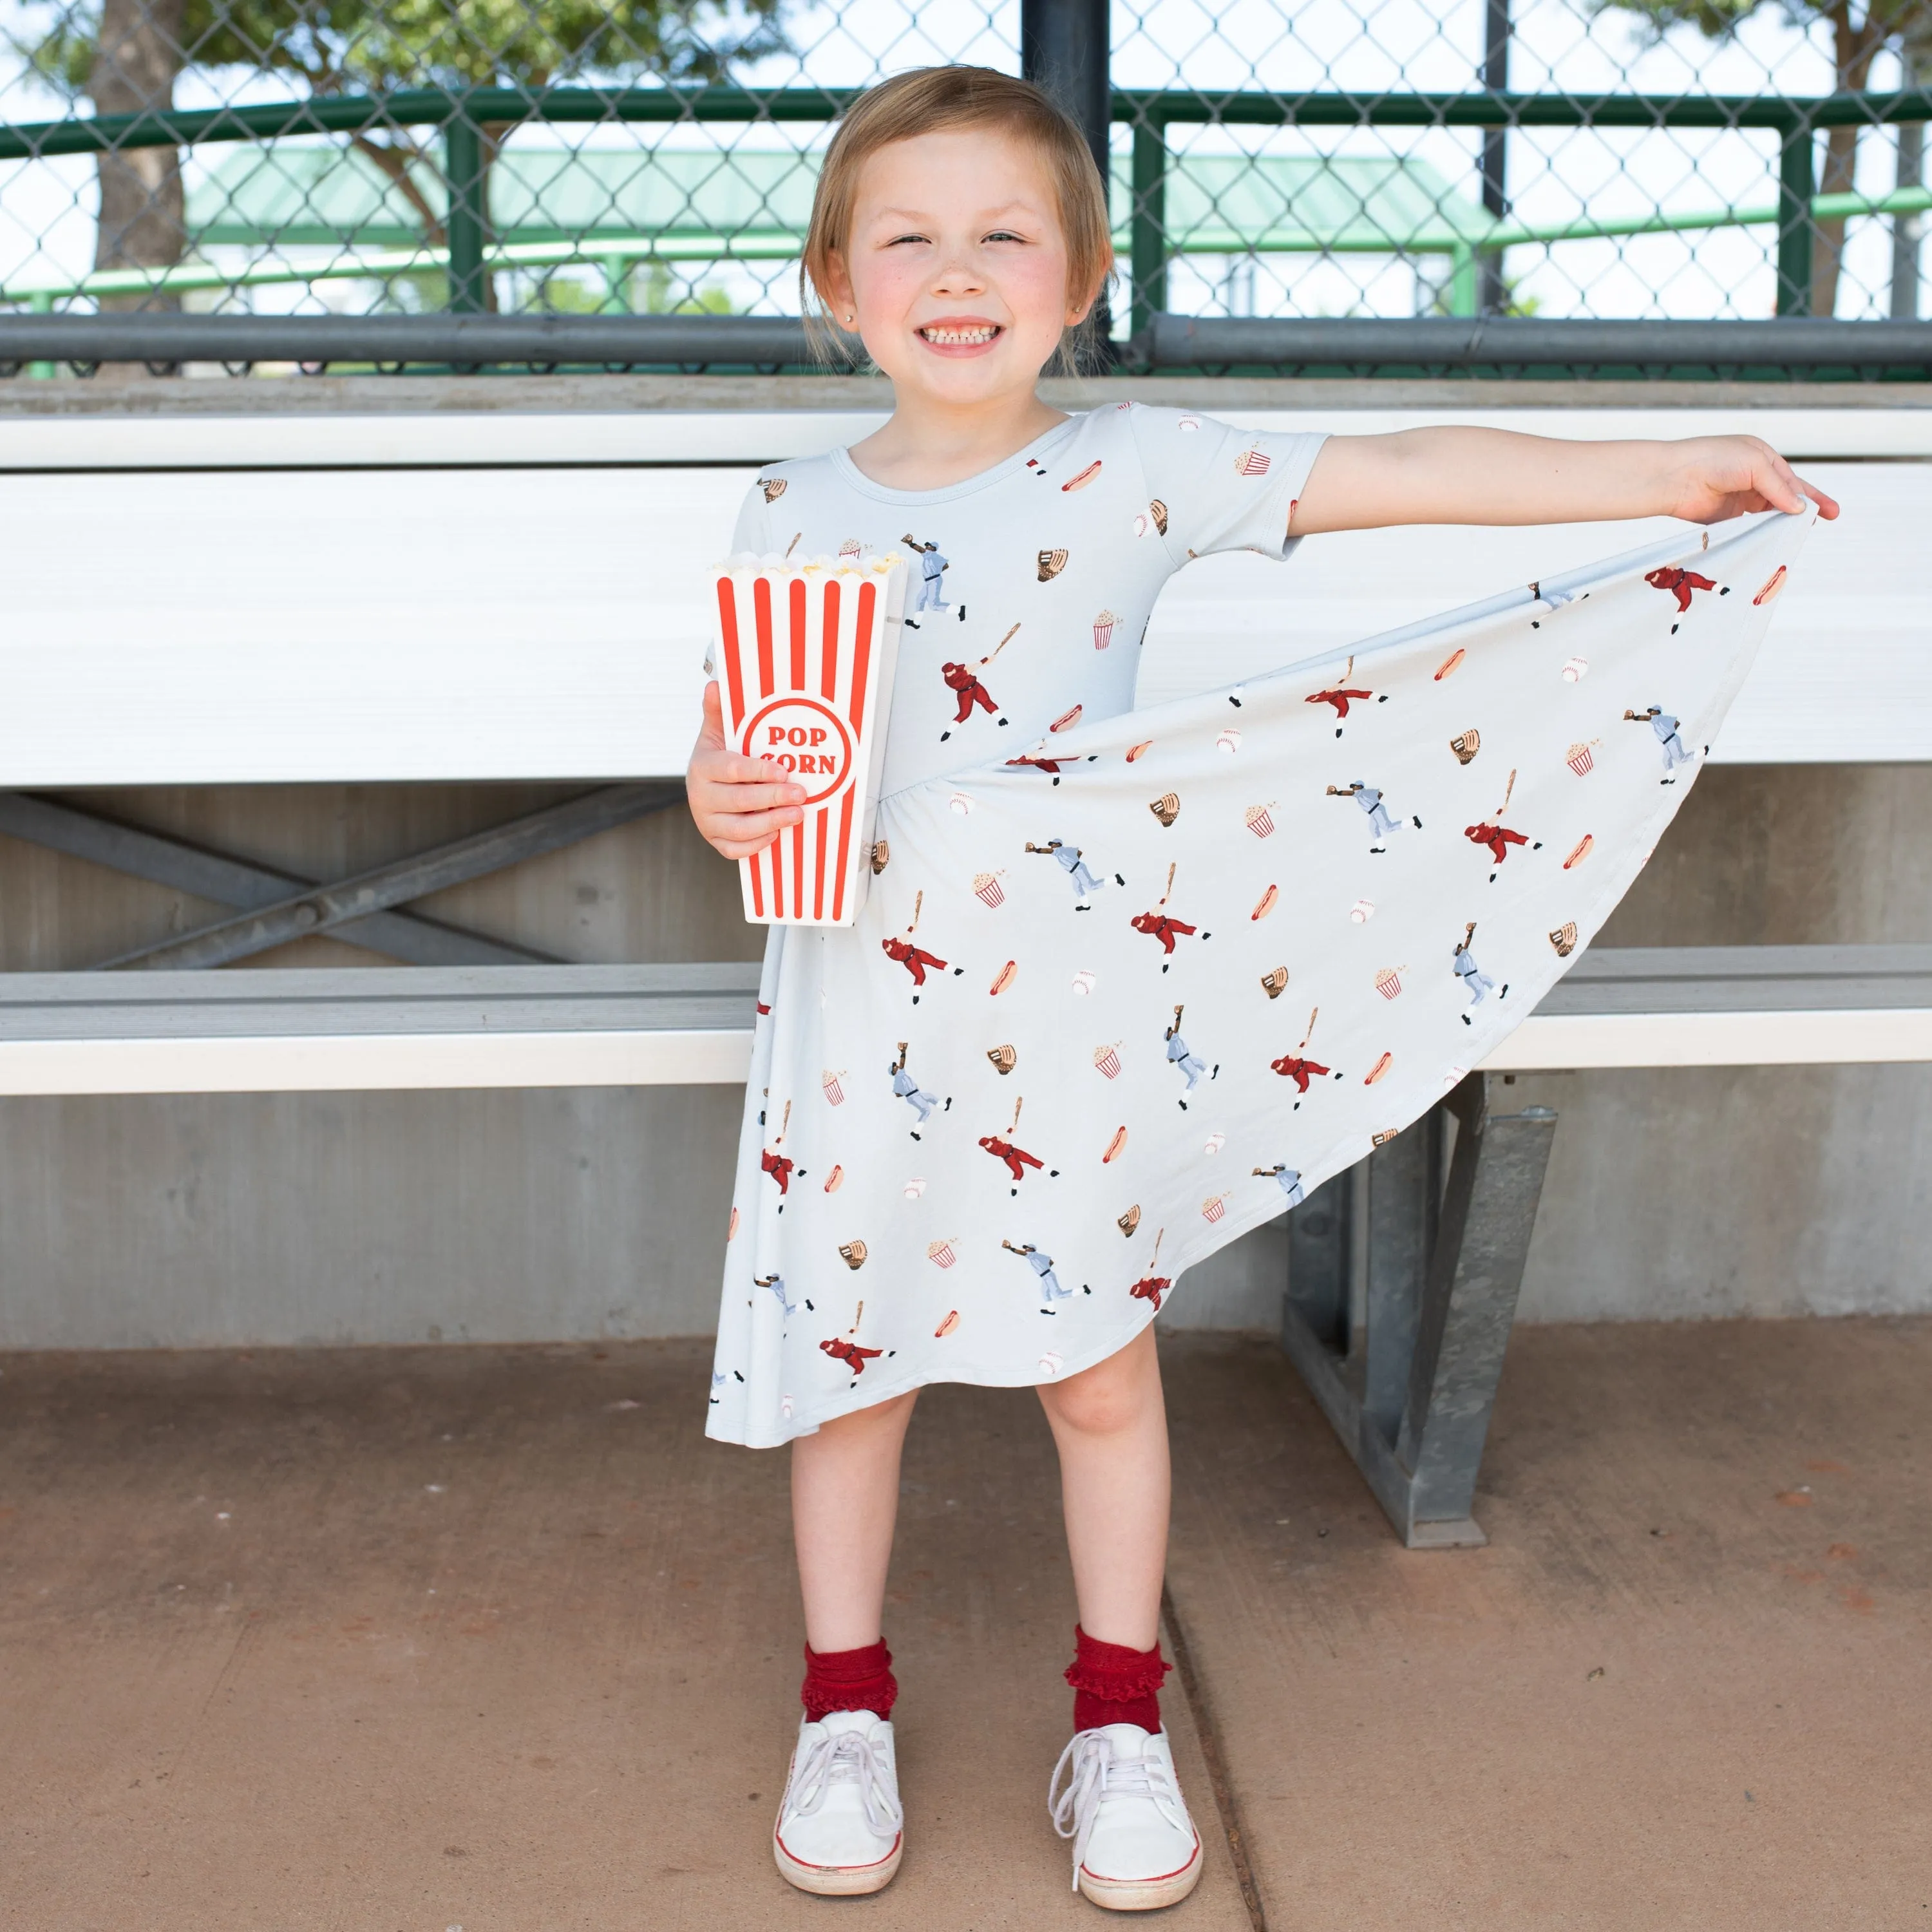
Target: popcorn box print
(806, 657)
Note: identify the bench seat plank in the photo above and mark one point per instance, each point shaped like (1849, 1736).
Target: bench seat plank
(331, 1029)
(312, 1029)
(1730, 1006)
(179, 655)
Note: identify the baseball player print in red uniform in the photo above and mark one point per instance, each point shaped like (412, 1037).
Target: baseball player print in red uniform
(854, 1357)
(1342, 695)
(1049, 765)
(1296, 1066)
(1151, 1287)
(915, 959)
(964, 681)
(780, 1166)
(1159, 924)
(1001, 1148)
(1497, 836)
(1680, 584)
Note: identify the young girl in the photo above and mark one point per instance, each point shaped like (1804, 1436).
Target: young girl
(960, 230)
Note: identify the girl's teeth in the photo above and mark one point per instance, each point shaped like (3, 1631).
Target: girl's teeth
(958, 335)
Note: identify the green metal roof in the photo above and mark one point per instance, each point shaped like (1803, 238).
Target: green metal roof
(312, 195)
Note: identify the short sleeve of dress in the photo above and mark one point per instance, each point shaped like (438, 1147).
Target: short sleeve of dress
(1214, 487)
(752, 533)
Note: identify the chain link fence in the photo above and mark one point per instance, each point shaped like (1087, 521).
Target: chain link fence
(1713, 160)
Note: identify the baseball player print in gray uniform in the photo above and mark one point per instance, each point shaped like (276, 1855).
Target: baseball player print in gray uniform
(1289, 1179)
(1465, 969)
(1050, 1289)
(932, 569)
(775, 1282)
(1191, 1064)
(1070, 860)
(1676, 752)
(909, 1090)
(1381, 824)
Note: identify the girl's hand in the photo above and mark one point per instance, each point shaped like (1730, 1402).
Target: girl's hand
(1453, 474)
(1715, 477)
(740, 804)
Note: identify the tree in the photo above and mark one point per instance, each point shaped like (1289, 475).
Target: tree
(1858, 35)
(132, 66)
(127, 55)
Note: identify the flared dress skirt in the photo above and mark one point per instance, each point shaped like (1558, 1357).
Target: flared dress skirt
(1120, 995)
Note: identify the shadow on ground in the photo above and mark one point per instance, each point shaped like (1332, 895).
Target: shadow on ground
(493, 1639)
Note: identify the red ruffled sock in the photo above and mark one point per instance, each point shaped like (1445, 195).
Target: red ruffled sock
(849, 1680)
(1114, 1685)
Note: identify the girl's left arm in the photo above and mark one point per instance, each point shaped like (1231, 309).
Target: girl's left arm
(1454, 475)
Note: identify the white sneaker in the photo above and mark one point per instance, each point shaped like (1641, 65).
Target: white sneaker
(840, 1829)
(1135, 1848)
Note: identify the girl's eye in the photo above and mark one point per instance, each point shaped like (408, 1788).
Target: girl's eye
(1004, 235)
(898, 239)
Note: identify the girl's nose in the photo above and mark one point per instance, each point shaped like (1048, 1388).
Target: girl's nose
(961, 275)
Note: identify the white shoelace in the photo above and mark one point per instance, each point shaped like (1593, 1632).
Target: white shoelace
(847, 1758)
(1096, 1774)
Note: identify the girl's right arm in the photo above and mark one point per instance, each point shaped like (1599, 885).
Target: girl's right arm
(740, 804)
(1455, 475)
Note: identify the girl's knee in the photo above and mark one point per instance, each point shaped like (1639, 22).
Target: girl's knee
(1119, 1394)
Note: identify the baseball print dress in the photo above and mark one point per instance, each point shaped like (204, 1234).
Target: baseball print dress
(1129, 983)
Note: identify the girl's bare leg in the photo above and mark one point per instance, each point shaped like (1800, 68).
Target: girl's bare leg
(1111, 1424)
(844, 1501)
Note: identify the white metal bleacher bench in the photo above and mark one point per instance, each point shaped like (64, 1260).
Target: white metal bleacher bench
(179, 657)
(1444, 1216)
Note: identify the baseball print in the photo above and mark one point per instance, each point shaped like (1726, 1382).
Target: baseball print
(1120, 1019)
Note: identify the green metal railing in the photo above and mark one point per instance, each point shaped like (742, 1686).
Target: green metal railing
(464, 115)
(619, 256)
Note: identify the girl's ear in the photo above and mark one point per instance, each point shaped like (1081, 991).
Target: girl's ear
(1078, 312)
(836, 290)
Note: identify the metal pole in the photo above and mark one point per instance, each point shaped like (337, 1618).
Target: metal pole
(1065, 48)
(1796, 185)
(1905, 228)
(1493, 297)
(468, 219)
(1147, 223)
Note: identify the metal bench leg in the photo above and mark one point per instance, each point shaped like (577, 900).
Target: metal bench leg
(1410, 1395)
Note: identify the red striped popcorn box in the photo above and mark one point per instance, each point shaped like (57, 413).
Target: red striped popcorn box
(805, 653)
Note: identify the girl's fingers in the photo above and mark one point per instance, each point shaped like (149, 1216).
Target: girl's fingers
(1828, 506)
(711, 734)
(1780, 488)
(726, 800)
(737, 826)
(722, 767)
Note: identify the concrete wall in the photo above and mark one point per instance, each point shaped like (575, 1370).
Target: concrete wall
(1719, 1191)
(387, 1217)
(1753, 1190)
(174, 1220)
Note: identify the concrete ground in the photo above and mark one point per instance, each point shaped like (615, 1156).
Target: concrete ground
(492, 1639)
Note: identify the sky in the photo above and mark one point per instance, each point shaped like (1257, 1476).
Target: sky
(47, 224)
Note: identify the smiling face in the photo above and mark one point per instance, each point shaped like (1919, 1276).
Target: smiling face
(956, 265)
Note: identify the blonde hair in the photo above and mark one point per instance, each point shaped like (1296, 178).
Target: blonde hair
(933, 100)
